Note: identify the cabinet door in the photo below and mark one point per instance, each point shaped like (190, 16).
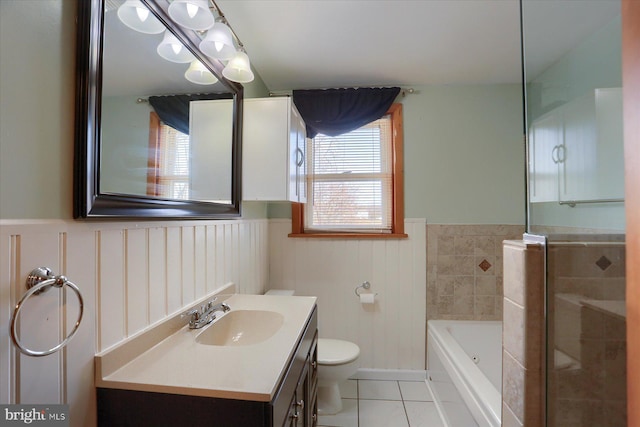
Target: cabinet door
(610, 143)
(545, 156)
(578, 174)
(301, 165)
(298, 415)
(312, 392)
(210, 150)
(294, 154)
(594, 162)
(274, 146)
(265, 149)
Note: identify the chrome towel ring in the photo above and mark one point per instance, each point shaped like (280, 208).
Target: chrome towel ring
(365, 285)
(38, 281)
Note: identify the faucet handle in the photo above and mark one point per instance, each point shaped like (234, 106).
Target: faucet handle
(193, 313)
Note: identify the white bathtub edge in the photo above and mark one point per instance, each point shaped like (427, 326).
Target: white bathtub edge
(439, 408)
(490, 415)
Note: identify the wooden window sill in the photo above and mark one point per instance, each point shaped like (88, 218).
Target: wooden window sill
(349, 235)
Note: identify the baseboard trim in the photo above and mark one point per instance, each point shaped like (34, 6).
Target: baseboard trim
(390, 374)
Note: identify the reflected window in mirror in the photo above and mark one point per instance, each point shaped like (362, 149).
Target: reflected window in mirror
(169, 158)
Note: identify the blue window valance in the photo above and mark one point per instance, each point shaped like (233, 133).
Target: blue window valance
(336, 111)
(173, 110)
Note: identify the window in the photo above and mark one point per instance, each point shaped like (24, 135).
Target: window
(355, 183)
(168, 165)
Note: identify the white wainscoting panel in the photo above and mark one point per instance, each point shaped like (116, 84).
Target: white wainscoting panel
(391, 332)
(131, 276)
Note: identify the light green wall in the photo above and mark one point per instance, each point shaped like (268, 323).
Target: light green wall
(464, 154)
(37, 95)
(257, 88)
(594, 63)
(125, 131)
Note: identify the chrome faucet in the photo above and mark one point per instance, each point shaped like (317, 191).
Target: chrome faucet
(206, 314)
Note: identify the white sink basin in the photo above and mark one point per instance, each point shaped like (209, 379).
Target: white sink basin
(241, 327)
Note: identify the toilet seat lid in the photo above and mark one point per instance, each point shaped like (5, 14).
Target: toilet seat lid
(336, 352)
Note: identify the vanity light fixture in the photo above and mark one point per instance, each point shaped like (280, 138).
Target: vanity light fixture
(199, 74)
(192, 14)
(239, 69)
(218, 42)
(171, 49)
(136, 16)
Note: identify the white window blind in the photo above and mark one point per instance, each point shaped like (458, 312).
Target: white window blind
(350, 180)
(173, 178)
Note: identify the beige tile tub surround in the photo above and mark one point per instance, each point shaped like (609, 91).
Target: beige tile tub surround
(464, 270)
(523, 334)
(586, 280)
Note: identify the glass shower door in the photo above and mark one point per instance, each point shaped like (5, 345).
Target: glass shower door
(575, 187)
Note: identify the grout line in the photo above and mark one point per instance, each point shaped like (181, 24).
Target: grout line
(406, 414)
(358, 403)
(403, 400)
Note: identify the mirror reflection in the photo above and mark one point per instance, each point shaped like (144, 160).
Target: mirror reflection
(574, 116)
(167, 123)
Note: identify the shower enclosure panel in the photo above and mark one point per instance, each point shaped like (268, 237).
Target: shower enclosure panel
(586, 358)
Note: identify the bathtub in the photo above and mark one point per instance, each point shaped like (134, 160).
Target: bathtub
(465, 371)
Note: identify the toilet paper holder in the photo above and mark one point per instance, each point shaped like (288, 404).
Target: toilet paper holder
(365, 285)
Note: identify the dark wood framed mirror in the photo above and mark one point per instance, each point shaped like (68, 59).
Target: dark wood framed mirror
(118, 71)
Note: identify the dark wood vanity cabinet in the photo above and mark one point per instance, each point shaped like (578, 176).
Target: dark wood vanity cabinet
(293, 405)
(303, 409)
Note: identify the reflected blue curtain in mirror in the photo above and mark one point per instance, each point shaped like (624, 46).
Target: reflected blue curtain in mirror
(173, 110)
(333, 112)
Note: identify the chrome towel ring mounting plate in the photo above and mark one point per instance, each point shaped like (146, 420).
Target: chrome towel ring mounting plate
(38, 281)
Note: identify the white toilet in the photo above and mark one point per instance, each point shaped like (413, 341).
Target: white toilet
(337, 361)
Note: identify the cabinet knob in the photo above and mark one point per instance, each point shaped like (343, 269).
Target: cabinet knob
(299, 405)
(314, 364)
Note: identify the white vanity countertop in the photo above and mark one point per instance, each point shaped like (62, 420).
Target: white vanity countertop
(177, 364)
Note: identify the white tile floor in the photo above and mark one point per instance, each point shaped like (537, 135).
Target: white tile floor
(372, 403)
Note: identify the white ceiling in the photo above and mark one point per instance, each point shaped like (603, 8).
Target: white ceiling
(311, 44)
(298, 44)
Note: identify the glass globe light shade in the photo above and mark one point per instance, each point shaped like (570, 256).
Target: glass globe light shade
(199, 74)
(172, 49)
(136, 16)
(192, 14)
(239, 69)
(218, 42)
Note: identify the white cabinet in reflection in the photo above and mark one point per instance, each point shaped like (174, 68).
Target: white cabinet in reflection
(593, 166)
(545, 142)
(273, 151)
(576, 151)
(210, 137)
